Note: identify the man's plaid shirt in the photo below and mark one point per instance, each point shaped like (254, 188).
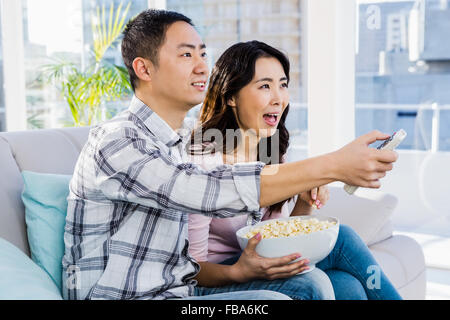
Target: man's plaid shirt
(126, 227)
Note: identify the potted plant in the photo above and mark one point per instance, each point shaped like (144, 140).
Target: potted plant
(87, 90)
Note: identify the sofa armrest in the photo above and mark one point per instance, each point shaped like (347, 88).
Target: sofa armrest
(367, 211)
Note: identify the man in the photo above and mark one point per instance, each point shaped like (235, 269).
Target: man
(126, 226)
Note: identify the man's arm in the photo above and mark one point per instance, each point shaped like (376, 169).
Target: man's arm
(355, 164)
(280, 182)
(129, 169)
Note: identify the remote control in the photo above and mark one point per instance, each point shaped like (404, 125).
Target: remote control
(390, 144)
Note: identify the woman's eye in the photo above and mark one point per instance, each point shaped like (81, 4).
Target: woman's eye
(285, 85)
(265, 86)
(204, 54)
(187, 54)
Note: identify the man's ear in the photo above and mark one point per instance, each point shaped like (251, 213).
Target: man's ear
(142, 69)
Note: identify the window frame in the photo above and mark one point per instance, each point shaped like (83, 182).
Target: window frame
(331, 70)
(13, 65)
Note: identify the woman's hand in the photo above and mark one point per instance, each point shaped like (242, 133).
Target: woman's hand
(317, 197)
(251, 266)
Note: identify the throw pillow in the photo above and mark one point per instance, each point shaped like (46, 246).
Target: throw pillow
(21, 278)
(45, 200)
(367, 211)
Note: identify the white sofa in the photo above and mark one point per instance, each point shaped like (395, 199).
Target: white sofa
(56, 151)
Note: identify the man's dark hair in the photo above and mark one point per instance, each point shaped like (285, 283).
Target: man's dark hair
(144, 35)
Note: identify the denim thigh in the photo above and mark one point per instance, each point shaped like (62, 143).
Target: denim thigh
(313, 285)
(346, 286)
(351, 255)
(241, 295)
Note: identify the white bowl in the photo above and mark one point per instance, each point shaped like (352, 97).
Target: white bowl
(314, 246)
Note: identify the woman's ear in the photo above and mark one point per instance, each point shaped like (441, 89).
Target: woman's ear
(141, 68)
(231, 102)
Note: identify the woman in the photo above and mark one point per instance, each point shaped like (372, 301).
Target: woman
(248, 99)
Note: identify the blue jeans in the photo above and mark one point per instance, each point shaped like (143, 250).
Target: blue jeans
(314, 285)
(354, 272)
(241, 295)
(350, 266)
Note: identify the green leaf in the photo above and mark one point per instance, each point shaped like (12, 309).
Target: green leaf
(106, 33)
(86, 91)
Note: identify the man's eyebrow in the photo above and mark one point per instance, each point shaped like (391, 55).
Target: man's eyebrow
(270, 79)
(191, 46)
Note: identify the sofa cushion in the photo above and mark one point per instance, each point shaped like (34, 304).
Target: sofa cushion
(403, 261)
(45, 199)
(21, 278)
(367, 211)
(48, 151)
(384, 233)
(12, 213)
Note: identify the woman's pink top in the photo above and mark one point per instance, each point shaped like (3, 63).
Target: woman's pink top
(214, 239)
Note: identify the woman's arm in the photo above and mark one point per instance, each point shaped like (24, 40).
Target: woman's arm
(198, 234)
(301, 208)
(214, 275)
(250, 266)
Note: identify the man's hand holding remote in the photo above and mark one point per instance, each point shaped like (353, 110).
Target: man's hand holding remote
(357, 164)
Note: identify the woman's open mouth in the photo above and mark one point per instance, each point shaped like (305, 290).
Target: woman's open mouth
(271, 118)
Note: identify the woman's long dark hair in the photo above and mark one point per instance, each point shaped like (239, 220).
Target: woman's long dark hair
(234, 70)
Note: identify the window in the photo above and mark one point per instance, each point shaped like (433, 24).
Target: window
(43, 41)
(402, 80)
(66, 36)
(403, 71)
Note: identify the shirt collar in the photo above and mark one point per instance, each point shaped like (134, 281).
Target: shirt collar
(160, 128)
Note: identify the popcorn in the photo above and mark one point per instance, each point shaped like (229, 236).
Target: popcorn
(291, 227)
